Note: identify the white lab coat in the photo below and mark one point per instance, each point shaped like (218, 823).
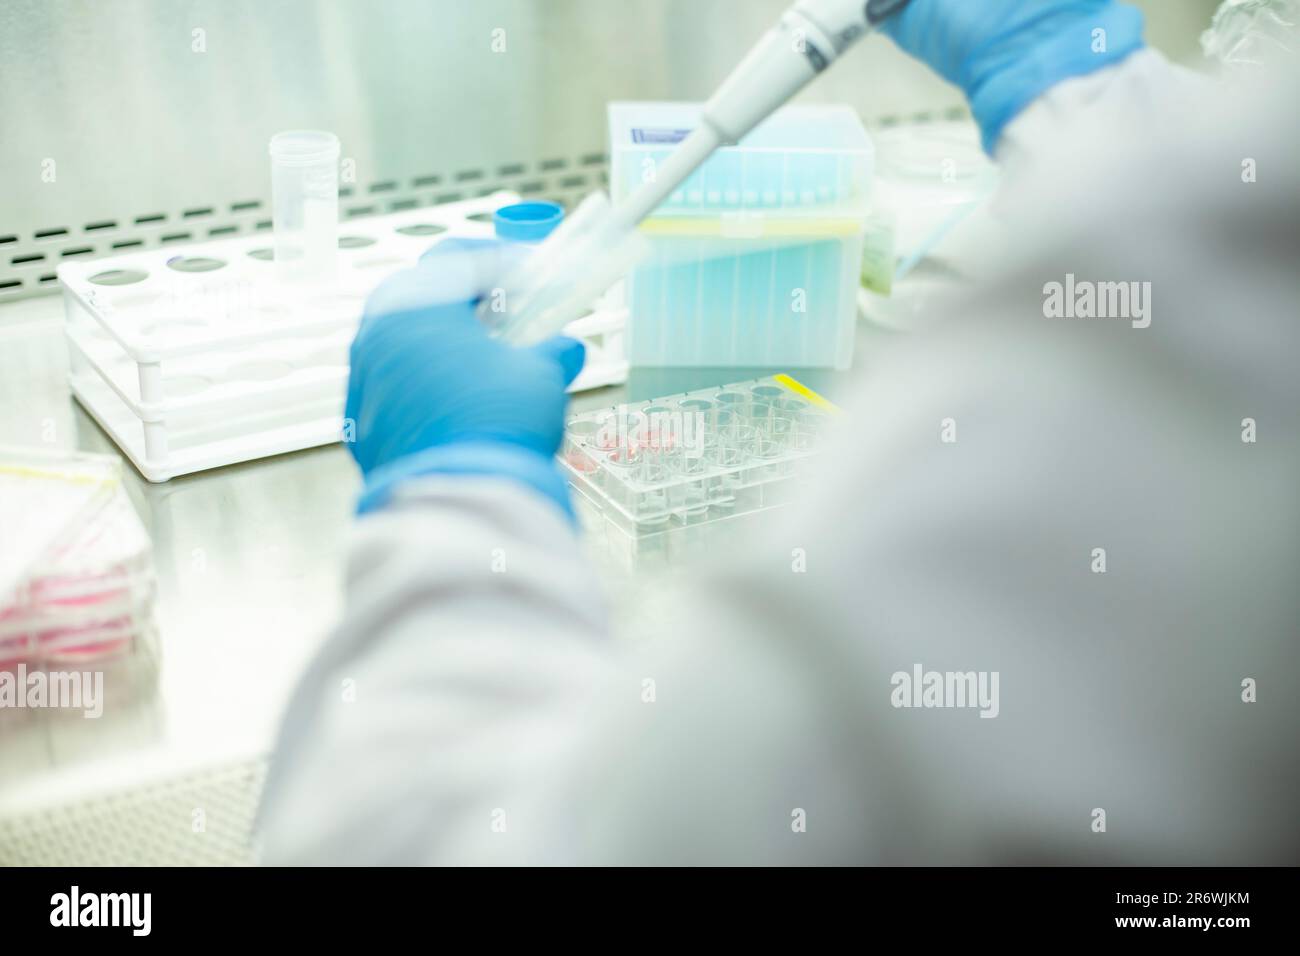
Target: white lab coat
(502, 715)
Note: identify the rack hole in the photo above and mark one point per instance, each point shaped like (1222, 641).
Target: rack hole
(119, 277)
(421, 229)
(195, 264)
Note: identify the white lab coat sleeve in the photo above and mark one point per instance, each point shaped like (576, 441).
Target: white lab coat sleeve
(1113, 103)
(1065, 504)
(472, 633)
(1023, 612)
(471, 707)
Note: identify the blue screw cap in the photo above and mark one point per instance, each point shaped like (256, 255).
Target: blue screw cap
(527, 221)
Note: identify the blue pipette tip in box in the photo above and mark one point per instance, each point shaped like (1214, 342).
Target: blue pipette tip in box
(527, 221)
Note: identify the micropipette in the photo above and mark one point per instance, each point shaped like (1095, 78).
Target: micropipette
(808, 38)
(578, 262)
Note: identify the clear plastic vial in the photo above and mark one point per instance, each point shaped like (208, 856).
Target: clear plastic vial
(305, 203)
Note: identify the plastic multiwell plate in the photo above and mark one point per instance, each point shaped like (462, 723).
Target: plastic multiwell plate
(694, 457)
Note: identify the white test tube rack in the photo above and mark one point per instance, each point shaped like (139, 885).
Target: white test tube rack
(196, 357)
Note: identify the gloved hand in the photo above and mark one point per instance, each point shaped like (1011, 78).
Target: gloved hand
(1005, 53)
(431, 393)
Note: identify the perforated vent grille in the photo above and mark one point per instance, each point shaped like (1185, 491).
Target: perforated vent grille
(153, 825)
(28, 259)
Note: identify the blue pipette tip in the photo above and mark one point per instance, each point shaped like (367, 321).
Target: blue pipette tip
(527, 221)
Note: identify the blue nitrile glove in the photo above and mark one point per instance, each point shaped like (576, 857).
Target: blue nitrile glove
(431, 393)
(1005, 53)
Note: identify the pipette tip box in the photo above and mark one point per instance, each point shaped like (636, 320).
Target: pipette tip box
(755, 259)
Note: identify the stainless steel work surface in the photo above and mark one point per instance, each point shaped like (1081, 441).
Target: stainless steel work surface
(248, 560)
